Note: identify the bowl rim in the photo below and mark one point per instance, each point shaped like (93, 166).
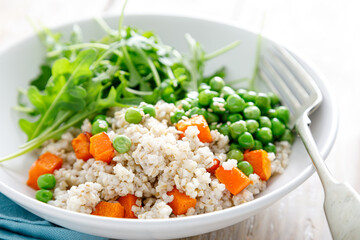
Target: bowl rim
(247, 207)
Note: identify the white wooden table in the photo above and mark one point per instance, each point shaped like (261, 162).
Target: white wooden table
(325, 31)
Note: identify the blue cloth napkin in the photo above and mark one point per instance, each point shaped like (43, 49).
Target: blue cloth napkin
(17, 223)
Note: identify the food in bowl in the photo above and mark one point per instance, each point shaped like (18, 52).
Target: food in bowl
(188, 144)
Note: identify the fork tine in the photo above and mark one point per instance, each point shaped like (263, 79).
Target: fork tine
(277, 81)
(296, 69)
(290, 79)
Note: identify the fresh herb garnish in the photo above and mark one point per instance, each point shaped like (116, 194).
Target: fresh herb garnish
(80, 79)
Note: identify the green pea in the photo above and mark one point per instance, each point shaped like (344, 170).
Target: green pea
(257, 145)
(241, 92)
(227, 91)
(133, 115)
(252, 112)
(100, 116)
(183, 104)
(274, 99)
(212, 117)
(194, 103)
(177, 116)
(245, 167)
(218, 105)
(192, 95)
(264, 135)
(169, 98)
(206, 96)
(234, 146)
(287, 136)
(265, 122)
(246, 140)
(283, 114)
(168, 95)
(269, 147)
(234, 117)
(252, 125)
(43, 195)
(217, 83)
(237, 128)
(248, 104)
(263, 101)
(213, 126)
(46, 181)
(122, 144)
(99, 126)
(277, 127)
(224, 129)
(249, 96)
(235, 154)
(197, 111)
(234, 103)
(149, 109)
(271, 113)
(203, 86)
(224, 116)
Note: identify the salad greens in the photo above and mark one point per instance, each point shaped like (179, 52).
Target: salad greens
(81, 79)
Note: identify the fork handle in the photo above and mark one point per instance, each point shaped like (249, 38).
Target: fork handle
(342, 202)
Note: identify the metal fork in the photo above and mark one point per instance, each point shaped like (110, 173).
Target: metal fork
(285, 76)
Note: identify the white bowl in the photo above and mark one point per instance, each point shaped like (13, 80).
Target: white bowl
(21, 62)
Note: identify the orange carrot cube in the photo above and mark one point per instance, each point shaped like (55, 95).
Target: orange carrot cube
(101, 147)
(81, 146)
(46, 163)
(127, 202)
(235, 180)
(260, 162)
(181, 202)
(201, 124)
(107, 209)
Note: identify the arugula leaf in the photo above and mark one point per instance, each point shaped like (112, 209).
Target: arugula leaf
(41, 81)
(62, 92)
